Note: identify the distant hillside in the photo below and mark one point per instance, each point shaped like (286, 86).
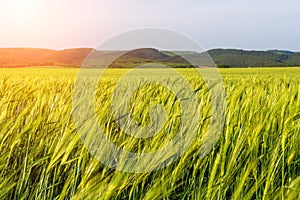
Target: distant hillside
(149, 55)
(23, 57)
(241, 58)
(227, 58)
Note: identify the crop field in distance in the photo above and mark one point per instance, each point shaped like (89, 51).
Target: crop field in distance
(256, 157)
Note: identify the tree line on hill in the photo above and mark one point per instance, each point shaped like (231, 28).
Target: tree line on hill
(224, 58)
(228, 58)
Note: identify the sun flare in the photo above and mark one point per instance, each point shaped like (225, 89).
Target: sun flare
(20, 9)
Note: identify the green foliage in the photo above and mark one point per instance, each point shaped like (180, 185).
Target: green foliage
(241, 58)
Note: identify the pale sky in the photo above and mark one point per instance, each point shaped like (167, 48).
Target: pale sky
(60, 24)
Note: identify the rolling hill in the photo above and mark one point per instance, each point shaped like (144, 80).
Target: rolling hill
(226, 58)
(24, 57)
(242, 58)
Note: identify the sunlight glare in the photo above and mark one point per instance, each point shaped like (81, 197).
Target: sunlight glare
(21, 9)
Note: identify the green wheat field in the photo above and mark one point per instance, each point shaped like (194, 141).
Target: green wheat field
(256, 157)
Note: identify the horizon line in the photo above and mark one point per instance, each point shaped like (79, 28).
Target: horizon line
(93, 48)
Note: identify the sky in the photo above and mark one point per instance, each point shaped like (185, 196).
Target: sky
(61, 24)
